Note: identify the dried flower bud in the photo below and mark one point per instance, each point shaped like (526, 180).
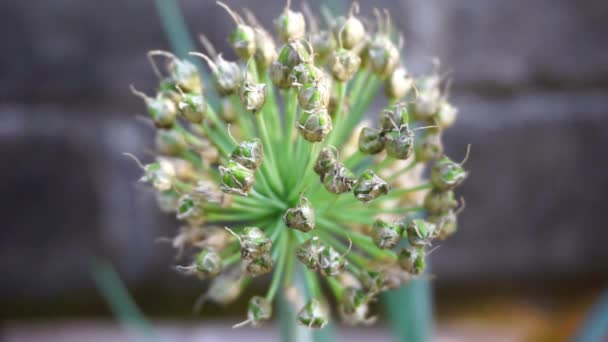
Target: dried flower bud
(259, 310)
(314, 125)
(227, 76)
(308, 253)
(428, 147)
(383, 55)
(167, 201)
(227, 113)
(224, 289)
(236, 179)
(294, 53)
(290, 25)
(447, 224)
(323, 44)
(350, 30)
(374, 282)
(170, 142)
(313, 315)
(412, 260)
(189, 209)
(447, 174)
(326, 161)
(399, 84)
(266, 50)
(243, 41)
(208, 264)
(280, 75)
(438, 202)
(386, 235)
(260, 266)
(344, 64)
(339, 180)
(185, 75)
(306, 73)
(446, 115)
(420, 232)
(314, 96)
(394, 117)
(249, 154)
(331, 262)
(426, 104)
(354, 308)
(302, 217)
(253, 95)
(160, 174)
(254, 243)
(192, 107)
(399, 143)
(371, 141)
(369, 186)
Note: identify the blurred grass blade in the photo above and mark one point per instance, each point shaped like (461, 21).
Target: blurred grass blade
(595, 327)
(122, 305)
(409, 311)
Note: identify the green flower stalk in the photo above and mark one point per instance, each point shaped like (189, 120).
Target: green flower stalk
(287, 164)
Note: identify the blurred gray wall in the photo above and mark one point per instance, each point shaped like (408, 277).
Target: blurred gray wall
(531, 81)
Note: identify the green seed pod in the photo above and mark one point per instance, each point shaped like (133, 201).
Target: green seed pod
(252, 96)
(326, 161)
(446, 115)
(242, 37)
(447, 224)
(331, 263)
(394, 117)
(313, 315)
(428, 147)
(437, 202)
(339, 180)
(306, 73)
(189, 209)
(227, 76)
(260, 266)
(162, 110)
(302, 217)
(280, 75)
(371, 141)
(350, 30)
(344, 64)
(259, 310)
(412, 260)
(294, 53)
(308, 253)
(290, 25)
(254, 243)
(314, 125)
(420, 232)
(447, 174)
(374, 282)
(314, 96)
(399, 143)
(399, 84)
(167, 89)
(192, 107)
(208, 264)
(386, 235)
(160, 174)
(354, 308)
(369, 186)
(185, 75)
(249, 154)
(170, 142)
(236, 179)
(266, 50)
(383, 55)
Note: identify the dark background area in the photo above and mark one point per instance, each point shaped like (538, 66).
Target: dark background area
(530, 79)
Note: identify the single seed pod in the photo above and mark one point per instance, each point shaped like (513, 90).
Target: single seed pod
(350, 31)
(243, 41)
(315, 95)
(426, 104)
(266, 50)
(227, 113)
(249, 154)
(428, 147)
(168, 90)
(447, 224)
(412, 260)
(170, 142)
(383, 55)
(189, 209)
(223, 290)
(294, 53)
(236, 179)
(354, 308)
(386, 235)
(208, 264)
(374, 282)
(446, 115)
(290, 25)
(308, 252)
(371, 141)
(326, 161)
(185, 75)
(280, 75)
(314, 125)
(399, 84)
(313, 315)
(259, 310)
(369, 186)
(162, 110)
(192, 107)
(399, 143)
(254, 243)
(167, 201)
(420, 232)
(306, 73)
(331, 263)
(227, 76)
(437, 202)
(302, 217)
(253, 96)
(160, 174)
(323, 44)
(394, 117)
(184, 170)
(447, 174)
(260, 266)
(344, 64)
(339, 180)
